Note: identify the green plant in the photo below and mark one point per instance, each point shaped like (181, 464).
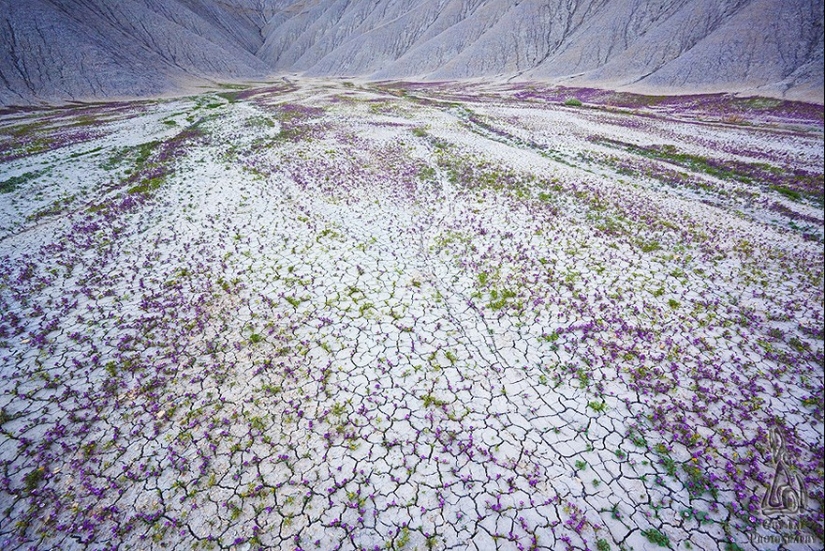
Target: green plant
(655, 536)
(597, 406)
(552, 337)
(573, 102)
(89, 449)
(403, 539)
(649, 246)
(9, 185)
(430, 400)
(669, 465)
(257, 423)
(146, 186)
(698, 483)
(499, 298)
(602, 545)
(787, 192)
(33, 478)
(111, 368)
(584, 378)
(638, 440)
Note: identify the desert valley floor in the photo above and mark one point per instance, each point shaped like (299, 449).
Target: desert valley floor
(337, 316)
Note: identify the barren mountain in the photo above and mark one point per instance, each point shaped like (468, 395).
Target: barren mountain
(75, 49)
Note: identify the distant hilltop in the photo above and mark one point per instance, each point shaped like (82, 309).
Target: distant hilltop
(62, 50)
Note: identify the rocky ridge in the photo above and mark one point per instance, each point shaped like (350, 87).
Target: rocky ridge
(87, 49)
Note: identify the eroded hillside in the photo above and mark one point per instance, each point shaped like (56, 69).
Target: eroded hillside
(58, 50)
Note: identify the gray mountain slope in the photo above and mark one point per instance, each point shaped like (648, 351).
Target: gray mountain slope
(68, 49)
(619, 28)
(43, 50)
(386, 36)
(767, 43)
(472, 20)
(700, 45)
(58, 50)
(521, 39)
(240, 21)
(288, 41)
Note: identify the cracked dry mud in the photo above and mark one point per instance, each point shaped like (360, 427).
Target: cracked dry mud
(325, 316)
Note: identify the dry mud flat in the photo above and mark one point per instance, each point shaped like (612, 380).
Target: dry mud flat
(326, 316)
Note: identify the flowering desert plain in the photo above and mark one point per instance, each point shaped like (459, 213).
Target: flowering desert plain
(342, 316)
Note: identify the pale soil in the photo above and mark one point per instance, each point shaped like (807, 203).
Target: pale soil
(343, 317)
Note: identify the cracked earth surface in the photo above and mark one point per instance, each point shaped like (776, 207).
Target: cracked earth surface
(325, 316)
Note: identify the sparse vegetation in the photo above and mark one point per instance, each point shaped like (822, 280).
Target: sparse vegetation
(10, 184)
(656, 537)
(400, 314)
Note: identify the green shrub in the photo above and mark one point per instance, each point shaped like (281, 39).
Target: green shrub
(655, 536)
(597, 406)
(9, 185)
